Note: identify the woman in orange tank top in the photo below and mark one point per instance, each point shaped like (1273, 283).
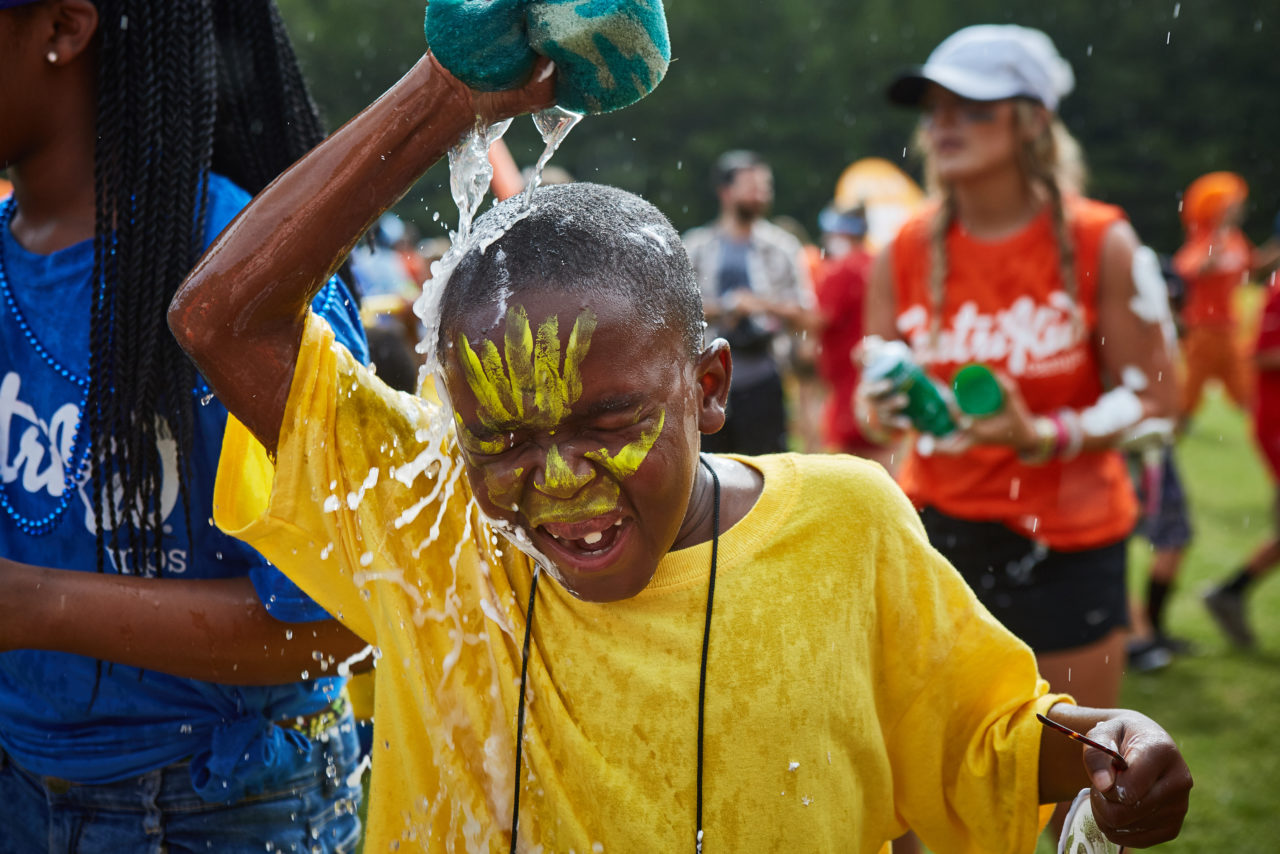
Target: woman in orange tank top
(1013, 269)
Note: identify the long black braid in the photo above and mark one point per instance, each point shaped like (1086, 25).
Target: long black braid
(184, 88)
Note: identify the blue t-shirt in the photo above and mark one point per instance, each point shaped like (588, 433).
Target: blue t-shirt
(139, 720)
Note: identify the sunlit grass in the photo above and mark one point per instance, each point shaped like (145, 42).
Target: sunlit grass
(1219, 704)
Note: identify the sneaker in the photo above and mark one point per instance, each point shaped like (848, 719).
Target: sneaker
(1176, 645)
(1148, 656)
(1227, 609)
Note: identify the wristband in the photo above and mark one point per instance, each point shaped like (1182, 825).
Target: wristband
(1070, 419)
(1046, 435)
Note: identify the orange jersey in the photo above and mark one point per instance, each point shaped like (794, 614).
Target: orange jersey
(1005, 306)
(1213, 266)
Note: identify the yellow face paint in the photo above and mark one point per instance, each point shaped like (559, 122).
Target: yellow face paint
(533, 369)
(629, 457)
(599, 498)
(558, 479)
(503, 486)
(530, 385)
(474, 443)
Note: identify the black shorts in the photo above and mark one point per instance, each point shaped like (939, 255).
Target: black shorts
(1052, 600)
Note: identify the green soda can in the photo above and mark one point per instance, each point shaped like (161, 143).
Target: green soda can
(926, 407)
(977, 391)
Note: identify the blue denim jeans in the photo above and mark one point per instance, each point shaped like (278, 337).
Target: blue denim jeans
(314, 810)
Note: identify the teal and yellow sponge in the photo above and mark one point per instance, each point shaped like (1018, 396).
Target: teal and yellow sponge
(608, 53)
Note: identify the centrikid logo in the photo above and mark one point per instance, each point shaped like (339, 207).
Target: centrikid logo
(37, 461)
(35, 456)
(1028, 338)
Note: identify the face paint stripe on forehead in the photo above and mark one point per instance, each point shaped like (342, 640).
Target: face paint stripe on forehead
(579, 344)
(518, 340)
(550, 396)
(485, 388)
(532, 367)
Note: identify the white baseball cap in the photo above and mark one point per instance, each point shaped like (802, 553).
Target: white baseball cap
(990, 62)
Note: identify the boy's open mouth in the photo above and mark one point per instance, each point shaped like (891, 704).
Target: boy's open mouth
(585, 543)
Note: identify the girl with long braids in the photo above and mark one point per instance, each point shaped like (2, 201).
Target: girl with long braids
(1014, 269)
(162, 687)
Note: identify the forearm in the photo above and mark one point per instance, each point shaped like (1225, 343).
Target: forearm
(241, 311)
(1062, 770)
(311, 216)
(214, 630)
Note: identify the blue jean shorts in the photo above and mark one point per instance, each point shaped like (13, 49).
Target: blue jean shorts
(313, 810)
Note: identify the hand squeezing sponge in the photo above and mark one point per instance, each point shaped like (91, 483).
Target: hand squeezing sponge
(608, 53)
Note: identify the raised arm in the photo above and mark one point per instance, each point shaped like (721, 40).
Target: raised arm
(240, 314)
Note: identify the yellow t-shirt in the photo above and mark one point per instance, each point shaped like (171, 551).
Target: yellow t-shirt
(855, 686)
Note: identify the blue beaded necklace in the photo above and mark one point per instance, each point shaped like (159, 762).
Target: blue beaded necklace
(73, 475)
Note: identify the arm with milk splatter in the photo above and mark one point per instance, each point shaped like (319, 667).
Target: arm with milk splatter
(1136, 341)
(241, 313)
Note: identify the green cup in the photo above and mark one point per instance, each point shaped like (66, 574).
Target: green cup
(977, 391)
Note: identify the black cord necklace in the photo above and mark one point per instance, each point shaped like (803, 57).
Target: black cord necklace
(702, 671)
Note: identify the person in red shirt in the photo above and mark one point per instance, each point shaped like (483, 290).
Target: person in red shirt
(1012, 268)
(1215, 259)
(1226, 601)
(840, 284)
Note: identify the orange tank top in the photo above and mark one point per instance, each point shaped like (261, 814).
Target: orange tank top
(1209, 294)
(1005, 306)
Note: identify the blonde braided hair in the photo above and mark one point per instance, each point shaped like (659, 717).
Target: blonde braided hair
(1052, 161)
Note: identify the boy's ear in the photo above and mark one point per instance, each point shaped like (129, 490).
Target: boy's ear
(714, 372)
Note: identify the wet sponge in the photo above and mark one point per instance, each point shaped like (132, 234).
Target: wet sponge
(608, 53)
(481, 42)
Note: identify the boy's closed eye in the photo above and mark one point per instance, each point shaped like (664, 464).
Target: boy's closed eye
(614, 414)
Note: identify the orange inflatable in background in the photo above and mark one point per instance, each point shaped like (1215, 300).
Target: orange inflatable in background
(887, 193)
(5, 188)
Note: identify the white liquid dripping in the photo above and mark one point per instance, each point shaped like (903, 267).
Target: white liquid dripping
(470, 173)
(553, 126)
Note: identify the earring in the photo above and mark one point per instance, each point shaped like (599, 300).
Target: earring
(52, 56)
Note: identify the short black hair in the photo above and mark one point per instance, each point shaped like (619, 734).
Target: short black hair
(730, 163)
(578, 238)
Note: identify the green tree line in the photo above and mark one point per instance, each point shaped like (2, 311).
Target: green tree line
(1165, 91)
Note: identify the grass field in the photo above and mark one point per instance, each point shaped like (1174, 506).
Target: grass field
(1221, 704)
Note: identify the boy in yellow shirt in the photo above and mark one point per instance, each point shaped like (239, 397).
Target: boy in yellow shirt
(731, 654)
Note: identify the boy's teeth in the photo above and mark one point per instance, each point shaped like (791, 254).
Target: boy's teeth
(592, 539)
